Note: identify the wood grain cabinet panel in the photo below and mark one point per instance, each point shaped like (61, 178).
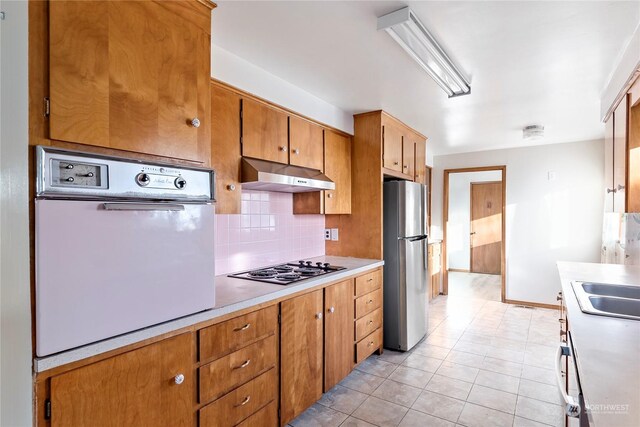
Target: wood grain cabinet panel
(223, 338)
(131, 75)
(338, 169)
(608, 165)
(264, 132)
(300, 354)
(368, 282)
(392, 147)
(368, 345)
(633, 163)
(420, 173)
(306, 144)
(220, 376)
(368, 302)
(265, 417)
(620, 156)
(225, 149)
(338, 332)
(135, 388)
(409, 156)
(369, 323)
(238, 405)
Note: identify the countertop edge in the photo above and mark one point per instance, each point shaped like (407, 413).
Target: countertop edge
(46, 363)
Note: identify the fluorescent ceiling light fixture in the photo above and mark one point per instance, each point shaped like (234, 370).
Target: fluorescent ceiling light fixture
(405, 28)
(533, 133)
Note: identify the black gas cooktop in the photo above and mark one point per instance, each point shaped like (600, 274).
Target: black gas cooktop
(285, 274)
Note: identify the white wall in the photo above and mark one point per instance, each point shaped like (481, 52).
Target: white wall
(244, 75)
(458, 238)
(15, 305)
(546, 220)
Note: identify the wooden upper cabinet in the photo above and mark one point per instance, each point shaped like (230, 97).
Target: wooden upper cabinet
(306, 144)
(338, 169)
(225, 148)
(131, 75)
(141, 387)
(608, 165)
(392, 147)
(633, 162)
(264, 132)
(420, 173)
(409, 156)
(620, 156)
(338, 332)
(300, 354)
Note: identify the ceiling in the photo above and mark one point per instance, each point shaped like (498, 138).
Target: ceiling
(529, 62)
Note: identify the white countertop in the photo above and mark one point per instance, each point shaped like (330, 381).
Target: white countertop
(607, 348)
(232, 294)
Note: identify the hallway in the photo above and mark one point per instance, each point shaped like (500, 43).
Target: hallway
(475, 286)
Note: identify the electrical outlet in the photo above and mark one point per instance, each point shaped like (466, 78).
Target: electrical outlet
(334, 234)
(327, 234)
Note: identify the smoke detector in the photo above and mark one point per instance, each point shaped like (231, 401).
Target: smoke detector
(533, 132)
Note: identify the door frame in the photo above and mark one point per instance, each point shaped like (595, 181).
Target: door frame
(445, 219)
(471, 184)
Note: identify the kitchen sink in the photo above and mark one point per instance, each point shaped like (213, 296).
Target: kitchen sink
(610, 300)
(622, 291)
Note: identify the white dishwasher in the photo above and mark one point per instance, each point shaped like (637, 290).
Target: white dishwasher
(120, 245)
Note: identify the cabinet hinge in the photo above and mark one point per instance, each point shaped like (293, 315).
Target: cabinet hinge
(279, 319)
(47, 409)
(47, 106)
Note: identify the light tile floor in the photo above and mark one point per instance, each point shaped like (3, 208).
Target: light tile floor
(483, 363)
(474, 285)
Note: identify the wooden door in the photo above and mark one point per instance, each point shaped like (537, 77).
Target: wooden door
(135, 388)
(264, 132)
(338, 332)
(392, 147)
(409, 156)
(608, 165)
(620, 156)
(306, 144)
(300, 354)
(338, 169)
(131, 75)
(486, 227)
(421, 162)
(225, 148)
(633, 173)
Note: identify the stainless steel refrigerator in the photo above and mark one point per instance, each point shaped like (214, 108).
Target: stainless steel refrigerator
(405, 264)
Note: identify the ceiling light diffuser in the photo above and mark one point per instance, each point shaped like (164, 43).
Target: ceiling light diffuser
(533, 132)
(405, 28)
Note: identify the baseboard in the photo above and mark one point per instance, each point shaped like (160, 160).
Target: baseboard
(458, 270)
(532, 304)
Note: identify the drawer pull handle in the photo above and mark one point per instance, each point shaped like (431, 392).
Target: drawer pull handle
(370, 344)
(369, 322)
(242, 328)
(244, 401)
(370, 280)
(244, 365)
(369, 302)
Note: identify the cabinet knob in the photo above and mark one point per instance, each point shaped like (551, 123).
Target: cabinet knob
(244, 365)
(231, 187)
(296, 151)
(396, 163)
(370, 344)
(369, 302)
(332, 309)
(620, 187)
(406, 167)
(179, 379)
(319, 316)
(244, 401)
(283, 149)
(329, 195)
(369, 322)
(611, 190)
(195, 122)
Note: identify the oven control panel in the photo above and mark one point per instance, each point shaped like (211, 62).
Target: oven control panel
(67, 173)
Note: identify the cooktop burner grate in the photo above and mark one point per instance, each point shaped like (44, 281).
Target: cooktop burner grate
(284, 274)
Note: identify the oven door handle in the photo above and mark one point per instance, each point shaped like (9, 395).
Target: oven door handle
(132, 206)
(572, 408)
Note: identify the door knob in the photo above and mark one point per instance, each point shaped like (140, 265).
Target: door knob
(283, 149)
(472, 233)
(611, 190)
(296, 151)
(332, 309)
(195, 122)
(319, 316)
(179, 379)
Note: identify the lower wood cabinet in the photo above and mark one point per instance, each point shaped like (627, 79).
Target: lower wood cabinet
(301, 342)
(150, 386)
(338, 333)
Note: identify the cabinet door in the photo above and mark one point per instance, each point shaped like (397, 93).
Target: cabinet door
(420, 174)
(608, 165)
(135, 388)
(306, 143)
(225, 148)
(392, 148)
(408, 155)
(633, 173)
(620, 156)
(131, 75)
(338, 169)
(264, 132)
(300, 354)
(338, 332)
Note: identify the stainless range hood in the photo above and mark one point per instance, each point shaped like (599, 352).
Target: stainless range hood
(270, 176)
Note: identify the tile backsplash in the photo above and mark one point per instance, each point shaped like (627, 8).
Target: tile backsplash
(265, 233)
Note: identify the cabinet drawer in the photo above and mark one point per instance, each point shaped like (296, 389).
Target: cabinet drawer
(220, 376)
(368, 282)
(367, 346)
(265, 417)
(226, 337)
(369, 302)
(368, 324)
(241, 403)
